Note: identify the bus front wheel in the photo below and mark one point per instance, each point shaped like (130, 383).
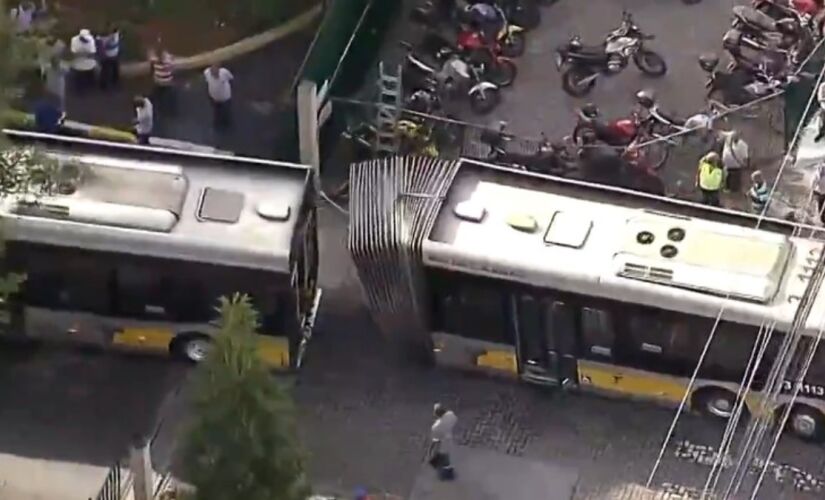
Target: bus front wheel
(717, 403)
(806, 423)
(192, 347)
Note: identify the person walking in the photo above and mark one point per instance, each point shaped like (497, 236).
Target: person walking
(109, 44)
(54, 78)
(441, 435)
(144, 119)
(759, 193)
(84, 62)
(735, 158)
(710, 178)
(819, 191)
(219, 87)
(163, 80)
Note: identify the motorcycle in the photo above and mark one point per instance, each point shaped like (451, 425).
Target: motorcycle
(454, 78)
(762, 31)
(494, 65)
(548, 159)
(582, 65)
(805, 11)
(740, 85)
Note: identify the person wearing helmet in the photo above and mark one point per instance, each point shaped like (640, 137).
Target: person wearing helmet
(648, 107)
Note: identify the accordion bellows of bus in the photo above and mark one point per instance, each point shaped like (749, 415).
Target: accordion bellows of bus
(134, 246)
(560, 282)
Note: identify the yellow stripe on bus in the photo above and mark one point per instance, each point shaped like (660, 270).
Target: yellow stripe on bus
(155, 339)
(274, 351)
(630, 382)
(498, 360)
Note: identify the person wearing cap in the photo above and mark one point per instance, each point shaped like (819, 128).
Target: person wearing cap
(759, 193)
(84, 60)
(441, 434)
(710, 178)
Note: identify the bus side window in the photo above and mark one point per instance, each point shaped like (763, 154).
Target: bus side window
(142, 291)
(476, 311)
(597, 332)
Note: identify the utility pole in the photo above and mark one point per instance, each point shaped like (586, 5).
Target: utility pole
(313, 111)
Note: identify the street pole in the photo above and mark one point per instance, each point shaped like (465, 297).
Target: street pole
(140, 464)
(308, 108)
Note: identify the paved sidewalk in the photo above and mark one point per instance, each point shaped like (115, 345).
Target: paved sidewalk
(260, 89)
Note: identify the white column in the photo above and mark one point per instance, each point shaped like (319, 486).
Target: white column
(140, 464)
(308, 128)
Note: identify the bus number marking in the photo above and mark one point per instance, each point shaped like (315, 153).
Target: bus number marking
(805, 389)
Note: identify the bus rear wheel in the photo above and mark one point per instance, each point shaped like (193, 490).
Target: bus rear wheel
(806, 423)
(193, 347)
(716, 403)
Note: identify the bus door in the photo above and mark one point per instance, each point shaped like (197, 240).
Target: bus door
(546, 341)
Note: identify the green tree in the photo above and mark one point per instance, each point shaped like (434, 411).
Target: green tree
(243, 442)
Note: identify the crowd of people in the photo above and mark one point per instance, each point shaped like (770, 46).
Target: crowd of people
(92, 62)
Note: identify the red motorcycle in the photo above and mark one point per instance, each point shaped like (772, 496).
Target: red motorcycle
(494, 65)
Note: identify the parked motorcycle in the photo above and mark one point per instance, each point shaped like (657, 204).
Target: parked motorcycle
(454, 78)
(582, 65)
(473, 50)
(739, 85)
(548, 159)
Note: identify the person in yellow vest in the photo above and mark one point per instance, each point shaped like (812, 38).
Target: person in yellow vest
(710, 178)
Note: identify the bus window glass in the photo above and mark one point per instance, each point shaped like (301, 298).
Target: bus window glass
(561, 321)
(660, 341)
(597, 332)
(729, 352)
(143, 290)
(531, 331)
(475, 311)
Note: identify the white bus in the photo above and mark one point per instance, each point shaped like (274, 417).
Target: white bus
(559, 282)
(139, 243)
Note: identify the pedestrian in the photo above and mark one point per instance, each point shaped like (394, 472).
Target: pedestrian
(820, 97)
(441, 435)
(163, 79)
(735, 157)
(84, 62)
(709, 178)
(48, 115)
(23, 16)
(819, 191)
(144, 119)
(109, 44)
(55, 80)
(600, 163)
(759, 193)
(219, 86)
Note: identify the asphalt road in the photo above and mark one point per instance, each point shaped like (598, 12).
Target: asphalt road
(364, 410)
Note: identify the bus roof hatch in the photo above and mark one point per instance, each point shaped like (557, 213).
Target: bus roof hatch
(740, 262)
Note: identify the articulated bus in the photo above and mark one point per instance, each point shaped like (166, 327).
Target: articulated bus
(138, 243)
(559, 282)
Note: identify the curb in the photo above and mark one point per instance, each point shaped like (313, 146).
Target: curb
(228, 52)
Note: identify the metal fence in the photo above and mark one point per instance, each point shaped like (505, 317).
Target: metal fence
(112, 488)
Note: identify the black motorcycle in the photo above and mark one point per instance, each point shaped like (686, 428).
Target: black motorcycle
(548, 159)
(581, 64)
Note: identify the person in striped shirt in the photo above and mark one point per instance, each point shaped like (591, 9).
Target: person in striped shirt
(163, 78)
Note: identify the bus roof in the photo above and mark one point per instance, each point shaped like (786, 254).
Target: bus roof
(621, 245)
(164, 203)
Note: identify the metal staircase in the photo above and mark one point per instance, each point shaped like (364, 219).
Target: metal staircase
(390, 98)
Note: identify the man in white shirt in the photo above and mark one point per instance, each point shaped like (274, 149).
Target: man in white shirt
(820, 97)
(84, 60)
(441, 435)
(144, 119)
(735, 158)
(219, 86)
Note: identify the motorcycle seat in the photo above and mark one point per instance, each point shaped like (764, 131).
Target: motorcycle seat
(755, 18)
(589, 50)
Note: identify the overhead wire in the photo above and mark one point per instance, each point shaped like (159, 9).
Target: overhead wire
(727, 297)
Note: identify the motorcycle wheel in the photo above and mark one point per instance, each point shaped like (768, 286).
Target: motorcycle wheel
(502, 73)
(513, 45)
(657, 154)
(484, 102)
(571, 81)
(650, 63)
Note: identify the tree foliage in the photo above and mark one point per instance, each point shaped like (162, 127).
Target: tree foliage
(243, 441)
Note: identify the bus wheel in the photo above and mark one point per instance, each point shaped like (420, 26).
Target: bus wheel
(717, 403)
(807, 423)
(193, 348)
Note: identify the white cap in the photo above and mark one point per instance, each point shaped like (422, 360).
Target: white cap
(84, 33)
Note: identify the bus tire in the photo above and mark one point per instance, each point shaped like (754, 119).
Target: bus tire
(714, 402)
(191, 347)
(805, 422)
